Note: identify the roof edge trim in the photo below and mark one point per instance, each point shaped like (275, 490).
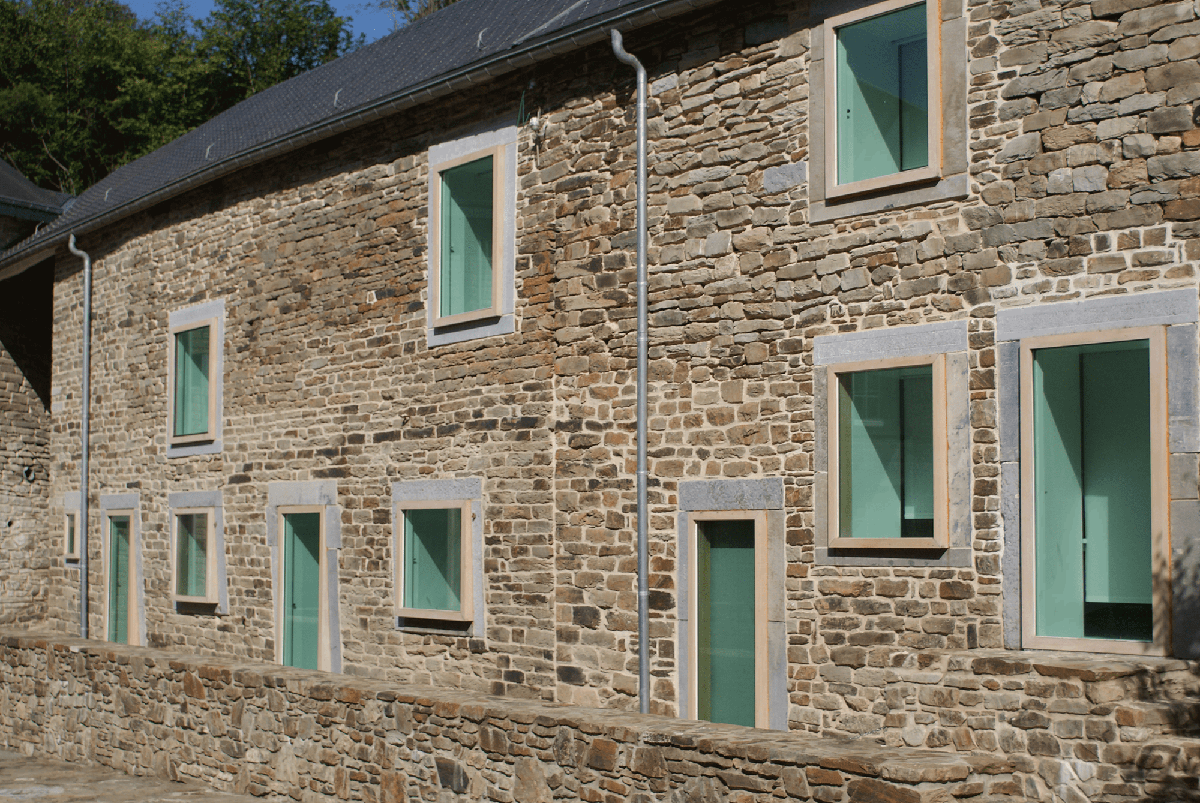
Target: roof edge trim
(565, 41)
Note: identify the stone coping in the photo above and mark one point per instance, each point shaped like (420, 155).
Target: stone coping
(863, 758)
(1087, 667)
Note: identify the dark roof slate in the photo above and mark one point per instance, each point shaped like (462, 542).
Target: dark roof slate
(21, 193)
(467, 36)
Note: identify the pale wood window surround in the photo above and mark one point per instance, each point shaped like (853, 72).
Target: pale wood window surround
(435, 240)
(1160, 551)
(324, 655)
(210, 596)
(133, 627)
(214, 334)
(941, 537)
(761, 678)
(71, 535)
(834, 188)
(466, 592)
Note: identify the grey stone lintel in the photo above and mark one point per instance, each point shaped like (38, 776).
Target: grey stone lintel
(1093, 314)
(898, 341)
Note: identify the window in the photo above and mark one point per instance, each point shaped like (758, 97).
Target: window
(730, 630)
(70, 536)
(433, 569)
(887, 454)
(304, 534)
(893, 452)
(472, 235)
(1093, 446)
(195, 549)
(193, 407)
(304, 631)
(122, 571)
(732, 627)
(889, 108)
(466, 249)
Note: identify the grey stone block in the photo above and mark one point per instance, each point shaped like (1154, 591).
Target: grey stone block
(900, 341)
(1010, 560)
(1183, 388)
(784, 177)
(1008, 398)
(1140, 309)
(760, 494)
(1185, 476)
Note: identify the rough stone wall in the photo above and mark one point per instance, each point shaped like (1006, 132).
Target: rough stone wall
(1083, 158)
(282, 733)
(24, 446)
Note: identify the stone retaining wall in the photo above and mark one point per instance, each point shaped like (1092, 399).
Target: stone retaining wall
(278, 732)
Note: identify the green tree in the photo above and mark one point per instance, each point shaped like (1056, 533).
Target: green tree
(253, 44)
(85, 87)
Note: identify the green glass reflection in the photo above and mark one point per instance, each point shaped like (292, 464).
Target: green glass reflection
(432, 559)
(191, 382)
(725, 622)
(118, 579)
(882, 95)
(465, 280)
(301, 589)
(1092, 496)
(191, 559)
(885, 453)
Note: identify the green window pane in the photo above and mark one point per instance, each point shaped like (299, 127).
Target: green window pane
(882, 95)
(70, 533)
(1091, 427)
(191, 382)
(301, 589)
(465, 280)
(118, 579)
(885, 453)
(725, 622)
(432, 559)
(191, 559)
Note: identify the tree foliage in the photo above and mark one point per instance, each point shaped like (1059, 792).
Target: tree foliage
(85, 87)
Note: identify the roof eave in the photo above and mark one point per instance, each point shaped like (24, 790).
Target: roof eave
(527, 53)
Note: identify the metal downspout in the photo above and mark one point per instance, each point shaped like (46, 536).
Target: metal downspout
(84, 427)
(643, 547)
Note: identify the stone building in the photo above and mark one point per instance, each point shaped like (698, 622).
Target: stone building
(924, 366)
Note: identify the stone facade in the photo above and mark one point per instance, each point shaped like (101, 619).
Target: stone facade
(25, 549)
(1081, 163)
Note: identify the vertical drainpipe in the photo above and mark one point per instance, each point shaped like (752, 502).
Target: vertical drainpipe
(643, 560)
(84, 426)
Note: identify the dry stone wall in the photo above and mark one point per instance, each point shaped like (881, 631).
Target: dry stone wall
(284, 734)
(1083, 161)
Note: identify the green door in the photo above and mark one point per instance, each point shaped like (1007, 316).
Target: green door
(725, 622)
(1091, 429)
(301, 588)
(118, 579)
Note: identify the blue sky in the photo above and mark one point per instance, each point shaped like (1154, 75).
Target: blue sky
(372, 22)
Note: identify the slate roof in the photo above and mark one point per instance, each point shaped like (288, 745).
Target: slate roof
(466, 43)
(21, 198)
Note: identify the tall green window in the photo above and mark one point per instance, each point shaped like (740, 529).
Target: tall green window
(725, 622)
(882, 107)
(1092, 491)
(119, 579)
(191, 555)
(432, 560)
(885, 447)
(465, 258)
(191, 401)
(301, 589)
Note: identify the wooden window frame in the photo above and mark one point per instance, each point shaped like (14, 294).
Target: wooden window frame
(210, 596)
(1160, 565)
(133, 628)
(70, 519)
(466, 591)
(324, 656)
(762, 702)
(213, 333)
(941, 494)
(932, 172)
(435, 239)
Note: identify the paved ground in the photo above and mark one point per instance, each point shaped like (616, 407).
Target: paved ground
(40, 780)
